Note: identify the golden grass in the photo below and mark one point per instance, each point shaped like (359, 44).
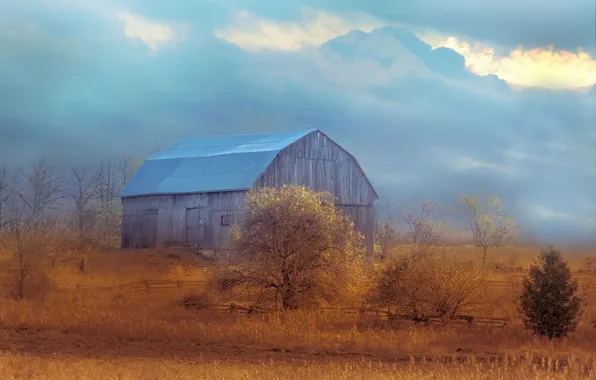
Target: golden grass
(156, 318)
(15, 367)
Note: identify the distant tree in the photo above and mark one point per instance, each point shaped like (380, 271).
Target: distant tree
(4, 195)
(422, 227)
(548, 303)
(385, 236)
(490, 227)
(33, 196)
(82, 195)
(295, 248)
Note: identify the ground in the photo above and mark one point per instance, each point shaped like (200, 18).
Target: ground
(109, 332)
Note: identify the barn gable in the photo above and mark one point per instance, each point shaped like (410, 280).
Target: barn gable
(317, 162)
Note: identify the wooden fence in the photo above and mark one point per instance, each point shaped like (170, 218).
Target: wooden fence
(147, 286)
(175, 285)
(373, 313)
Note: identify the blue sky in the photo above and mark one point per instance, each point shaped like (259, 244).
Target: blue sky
(504, 103)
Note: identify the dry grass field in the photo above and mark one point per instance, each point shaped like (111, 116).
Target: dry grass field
(101, 330)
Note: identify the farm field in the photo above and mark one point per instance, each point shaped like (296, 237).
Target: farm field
(121, 318)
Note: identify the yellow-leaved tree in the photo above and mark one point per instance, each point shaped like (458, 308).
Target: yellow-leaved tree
(490, 227)
(296, 250)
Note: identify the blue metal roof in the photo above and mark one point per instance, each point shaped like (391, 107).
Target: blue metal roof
(209, 164)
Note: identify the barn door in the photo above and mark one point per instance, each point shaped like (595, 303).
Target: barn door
(195, 227)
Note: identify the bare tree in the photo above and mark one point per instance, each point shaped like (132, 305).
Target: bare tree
(40, 188)
(422, 228)
(385, 236)
(128, 166)
(32, 195)
(490, 227)
(82, 195)
(4, 194)
(106, 183)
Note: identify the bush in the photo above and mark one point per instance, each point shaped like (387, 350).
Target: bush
(428, 284)
(548, 303)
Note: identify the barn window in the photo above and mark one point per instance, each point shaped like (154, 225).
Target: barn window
(226, 220)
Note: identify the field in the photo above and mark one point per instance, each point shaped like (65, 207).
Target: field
(120, 318)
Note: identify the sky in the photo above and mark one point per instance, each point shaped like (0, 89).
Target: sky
(434, 98)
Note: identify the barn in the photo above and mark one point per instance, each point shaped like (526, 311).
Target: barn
(191, 193)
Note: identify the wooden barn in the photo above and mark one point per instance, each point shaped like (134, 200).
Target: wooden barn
(192, 192)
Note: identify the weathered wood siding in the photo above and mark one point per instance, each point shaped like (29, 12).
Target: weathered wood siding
(317, 162)
(175, 219)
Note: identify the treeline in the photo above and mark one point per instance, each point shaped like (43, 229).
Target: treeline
(486, 223)
(82, 201)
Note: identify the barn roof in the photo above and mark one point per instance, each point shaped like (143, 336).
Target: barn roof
(209, 164)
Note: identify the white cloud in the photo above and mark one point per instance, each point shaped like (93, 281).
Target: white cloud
(525, 68)
(465, 163)
(252, 32)
(541, 212)
(154, 34)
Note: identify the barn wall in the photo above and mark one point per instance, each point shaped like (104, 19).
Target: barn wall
(317, 162)
(148, 221)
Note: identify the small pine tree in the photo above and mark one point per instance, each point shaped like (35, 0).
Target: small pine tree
(549, 305)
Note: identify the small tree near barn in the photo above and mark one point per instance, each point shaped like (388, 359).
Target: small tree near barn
(295, 249)
(549, 305)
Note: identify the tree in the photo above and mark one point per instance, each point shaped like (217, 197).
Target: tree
(490, 227)
(385, 236)
(4, 195)
(296, 249)
(548, 303)
(83, 193)
(422, 228)
(32, 196)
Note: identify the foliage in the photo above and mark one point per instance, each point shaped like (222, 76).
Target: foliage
(490, 227)
(548, 302)
(296, 249)
(428, 284)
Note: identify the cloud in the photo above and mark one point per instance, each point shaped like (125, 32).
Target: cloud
(566, 24)
(526, 68)
(545, 68)
(542, 212)
(465, 163)
(252, 32)
(405, 120)
(153, 34)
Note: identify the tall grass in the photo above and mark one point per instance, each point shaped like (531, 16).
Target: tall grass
(24, 367)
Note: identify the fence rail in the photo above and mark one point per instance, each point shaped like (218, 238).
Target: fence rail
(140, 286)
(170, 285)
(380, 314)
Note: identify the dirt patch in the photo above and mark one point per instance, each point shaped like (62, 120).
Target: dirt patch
(51, 343)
